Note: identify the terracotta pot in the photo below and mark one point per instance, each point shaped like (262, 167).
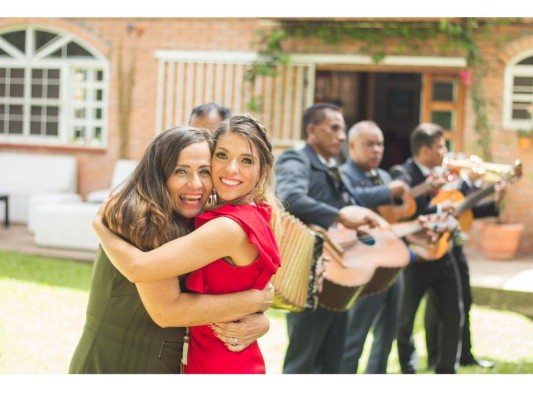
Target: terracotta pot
(500, 241)
(524, 142)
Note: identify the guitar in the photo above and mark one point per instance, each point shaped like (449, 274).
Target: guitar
(463, 205)
(366, 263)
(405, 207)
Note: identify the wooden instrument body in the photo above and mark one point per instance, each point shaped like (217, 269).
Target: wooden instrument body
(466, 218)
(398, 212)
(349, 271)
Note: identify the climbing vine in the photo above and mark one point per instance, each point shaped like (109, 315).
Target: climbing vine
(375, 37)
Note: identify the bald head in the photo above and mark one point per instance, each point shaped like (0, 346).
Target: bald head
(366, 145)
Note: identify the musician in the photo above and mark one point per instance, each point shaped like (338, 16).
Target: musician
(428, 148)
(379, 311)
(469, 182)
(310, 186)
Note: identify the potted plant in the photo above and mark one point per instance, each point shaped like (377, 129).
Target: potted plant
(525, 138)
(500, 240)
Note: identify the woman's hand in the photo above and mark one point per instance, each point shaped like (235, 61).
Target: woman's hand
(238, 335)
(266, 298)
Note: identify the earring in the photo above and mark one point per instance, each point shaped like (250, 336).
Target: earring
(212, 200)
(259, 191)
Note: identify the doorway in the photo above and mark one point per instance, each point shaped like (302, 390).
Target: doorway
(392, 100)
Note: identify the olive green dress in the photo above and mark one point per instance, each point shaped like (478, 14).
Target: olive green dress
(119, 336)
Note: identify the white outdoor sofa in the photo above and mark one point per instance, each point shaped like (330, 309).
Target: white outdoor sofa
(24, 175)
(65, 225)
(123, 169)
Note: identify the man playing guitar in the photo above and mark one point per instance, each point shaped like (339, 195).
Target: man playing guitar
(428, 149)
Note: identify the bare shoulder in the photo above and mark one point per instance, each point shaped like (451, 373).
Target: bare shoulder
(225, 228)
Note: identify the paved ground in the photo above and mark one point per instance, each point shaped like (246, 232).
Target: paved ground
(499, 284)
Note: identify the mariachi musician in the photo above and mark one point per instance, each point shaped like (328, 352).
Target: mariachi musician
(428, 148)
(379, 311)
(470, 181)
(309, 185)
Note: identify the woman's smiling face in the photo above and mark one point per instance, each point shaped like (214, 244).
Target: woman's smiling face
(235, 168)
(190, 184)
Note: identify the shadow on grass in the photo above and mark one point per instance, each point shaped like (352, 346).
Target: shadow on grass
(43, 270)
(524, 366)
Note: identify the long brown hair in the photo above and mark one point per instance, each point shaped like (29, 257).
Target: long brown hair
(252, 130)
(142, 211)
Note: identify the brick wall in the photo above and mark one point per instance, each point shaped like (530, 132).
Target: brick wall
(140, 38)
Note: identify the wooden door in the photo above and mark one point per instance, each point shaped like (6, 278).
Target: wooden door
(443, 103)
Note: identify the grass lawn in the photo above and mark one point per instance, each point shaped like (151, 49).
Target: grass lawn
(43, 301)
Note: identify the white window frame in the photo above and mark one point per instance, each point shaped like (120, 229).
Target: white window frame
(286, 131)
(512, 70)
(30, 60)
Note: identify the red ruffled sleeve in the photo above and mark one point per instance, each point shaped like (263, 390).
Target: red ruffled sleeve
(255, 221)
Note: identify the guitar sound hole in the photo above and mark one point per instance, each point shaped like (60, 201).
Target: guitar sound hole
(366, 239)
(397, 201)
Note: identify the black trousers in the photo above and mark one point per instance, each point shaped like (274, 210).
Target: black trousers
(432, 317)
(316, 342)
(441, 276)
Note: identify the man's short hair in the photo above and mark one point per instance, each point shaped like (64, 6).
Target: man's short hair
(316, 114)
(424, 134)
(206, 108)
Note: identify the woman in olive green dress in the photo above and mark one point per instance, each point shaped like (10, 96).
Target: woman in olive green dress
(140, 328)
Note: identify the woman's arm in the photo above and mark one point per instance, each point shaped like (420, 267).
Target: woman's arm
(218, 238)
(168, 307)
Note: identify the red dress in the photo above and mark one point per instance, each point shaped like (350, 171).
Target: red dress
(207, 354)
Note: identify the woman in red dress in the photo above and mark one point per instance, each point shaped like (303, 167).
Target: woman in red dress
(234, 243)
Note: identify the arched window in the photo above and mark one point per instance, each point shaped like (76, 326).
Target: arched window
(53, 89)
(518, 93)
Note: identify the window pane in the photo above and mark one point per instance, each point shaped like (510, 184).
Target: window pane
(443, 91)
(443, 118)
(36, 73)
(99, 75)
(2, 90)
(79, 132)
(36, 91)
(526, 61)
(79, 112)
(99, 94)
(53, 92)
(520, 110)
(16, 90)
(97, 133)
(16, 111)
(523, 85)
(36, 110)
(17, 73)
(53, 74)
(35, 128)
(17, 39)
(52, 111)
(56, 54)
(42, 38)
(98, 113)
(80, 75)
(75, 50)
(80, 94)
(15, 127)
(51, 129)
